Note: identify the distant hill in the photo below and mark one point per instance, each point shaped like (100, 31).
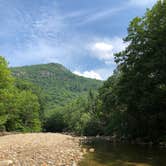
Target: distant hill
(59, 84)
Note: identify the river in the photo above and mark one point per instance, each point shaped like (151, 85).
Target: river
(108, 154)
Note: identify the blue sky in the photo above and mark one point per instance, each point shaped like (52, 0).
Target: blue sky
(82, 35)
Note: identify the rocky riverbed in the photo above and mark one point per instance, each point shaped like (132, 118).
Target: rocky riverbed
(39, 149)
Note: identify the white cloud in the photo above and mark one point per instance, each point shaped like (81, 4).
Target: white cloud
(103, 46)
(105, 49)
(106, 71)
(89, 74)
(143, 3)
(102, 50)
(100, 74)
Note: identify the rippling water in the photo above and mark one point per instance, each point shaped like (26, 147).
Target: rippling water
(108, 154)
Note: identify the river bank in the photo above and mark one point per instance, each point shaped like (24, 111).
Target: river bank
(40, 149)
(115, 140)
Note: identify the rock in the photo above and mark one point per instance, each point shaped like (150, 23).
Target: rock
(42, 149)
(44, 164)
(6, 163)
(97, 136)
(73, 163)
(92, 150)
(84, 150)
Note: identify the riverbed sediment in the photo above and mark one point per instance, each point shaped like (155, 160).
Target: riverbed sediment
(40, 149)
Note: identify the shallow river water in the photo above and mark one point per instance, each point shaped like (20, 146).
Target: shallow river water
(108, 154)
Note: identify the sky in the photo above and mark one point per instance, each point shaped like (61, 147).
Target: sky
(82, 35)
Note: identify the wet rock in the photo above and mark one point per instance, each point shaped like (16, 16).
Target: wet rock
(92, 150)
(84, 150)
(73, 163)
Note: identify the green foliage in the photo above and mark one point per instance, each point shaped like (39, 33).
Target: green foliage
(19, 109)
(134, 98)
(59, 85)
(30, 87)
(78, 114)
(55, 122)
(5, 74)
(22, 112)
(77, 117)
(6, 81)
(57, 90)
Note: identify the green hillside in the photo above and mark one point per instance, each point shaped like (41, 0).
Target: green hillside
(59, 84)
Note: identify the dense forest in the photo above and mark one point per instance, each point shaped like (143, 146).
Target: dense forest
(19, 103)
(59, 85)
(130, 105)
(45, 89)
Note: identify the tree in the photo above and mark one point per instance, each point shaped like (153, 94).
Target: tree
(142, 87)
(24, 85)
(19, 109)
(6, 82)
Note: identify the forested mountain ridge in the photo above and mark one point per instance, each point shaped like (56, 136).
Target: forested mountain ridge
(58, 83)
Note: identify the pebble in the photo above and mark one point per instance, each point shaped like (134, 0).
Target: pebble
(39, 149)
(92, 150)
(84, 150)
(6, 163)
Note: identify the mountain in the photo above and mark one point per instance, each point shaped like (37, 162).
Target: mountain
(58, 83)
